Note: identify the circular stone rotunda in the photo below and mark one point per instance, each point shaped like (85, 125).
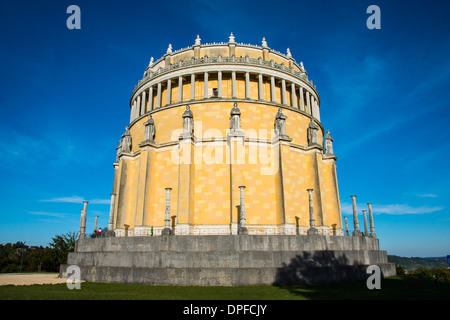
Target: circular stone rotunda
(225, 176)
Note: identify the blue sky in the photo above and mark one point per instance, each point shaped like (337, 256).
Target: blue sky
(384, 96)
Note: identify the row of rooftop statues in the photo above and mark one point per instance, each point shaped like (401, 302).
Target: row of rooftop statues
(235, 129)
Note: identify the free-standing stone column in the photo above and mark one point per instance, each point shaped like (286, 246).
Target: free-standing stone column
(312, 224)
(180, 88)
(169, 92)
(138, 106)
(167, 230)
(150, 98)
(82, 233)
(219, 84)
(302, 100)
(110, 232)
(356, 232)
(346, 226)
(205, 83)
(260, 87)
(366, 230)
(95, 223)
(143, 102)
(372, 227)
(247, 85)
(293, 96)
(133, 108)
(308, 103)
(283, 92)
(158, 96)
(272, 89)
(193, 86)
(233, 84)
(311, 105)
(242, 228)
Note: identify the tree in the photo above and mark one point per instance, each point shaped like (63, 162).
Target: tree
(63, 244)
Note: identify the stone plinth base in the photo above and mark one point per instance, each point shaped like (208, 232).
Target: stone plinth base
(228, 260)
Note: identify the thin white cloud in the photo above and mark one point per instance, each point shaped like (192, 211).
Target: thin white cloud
(427, 195)
(394, 209)
(100, 201)
(72, 199)
(77, 199)
(48, 214)
(406, 209)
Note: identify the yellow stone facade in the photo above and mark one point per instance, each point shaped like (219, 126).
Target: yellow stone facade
(204, 170)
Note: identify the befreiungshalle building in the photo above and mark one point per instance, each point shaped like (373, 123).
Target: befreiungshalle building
(225, 176)
(254, 122)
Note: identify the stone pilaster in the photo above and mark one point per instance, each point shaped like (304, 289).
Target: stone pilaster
(185, 183)
(110, 232)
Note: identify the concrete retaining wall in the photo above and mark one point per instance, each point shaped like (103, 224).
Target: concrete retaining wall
(228, 260)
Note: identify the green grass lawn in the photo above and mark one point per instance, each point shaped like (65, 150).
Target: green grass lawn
(395, 288)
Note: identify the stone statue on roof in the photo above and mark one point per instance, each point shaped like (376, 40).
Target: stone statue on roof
(126, 143)
(235, 118)
(280, 123)
(313, 130)
(150, 129)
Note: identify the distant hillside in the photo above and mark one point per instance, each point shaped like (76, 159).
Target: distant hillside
(415, 262)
